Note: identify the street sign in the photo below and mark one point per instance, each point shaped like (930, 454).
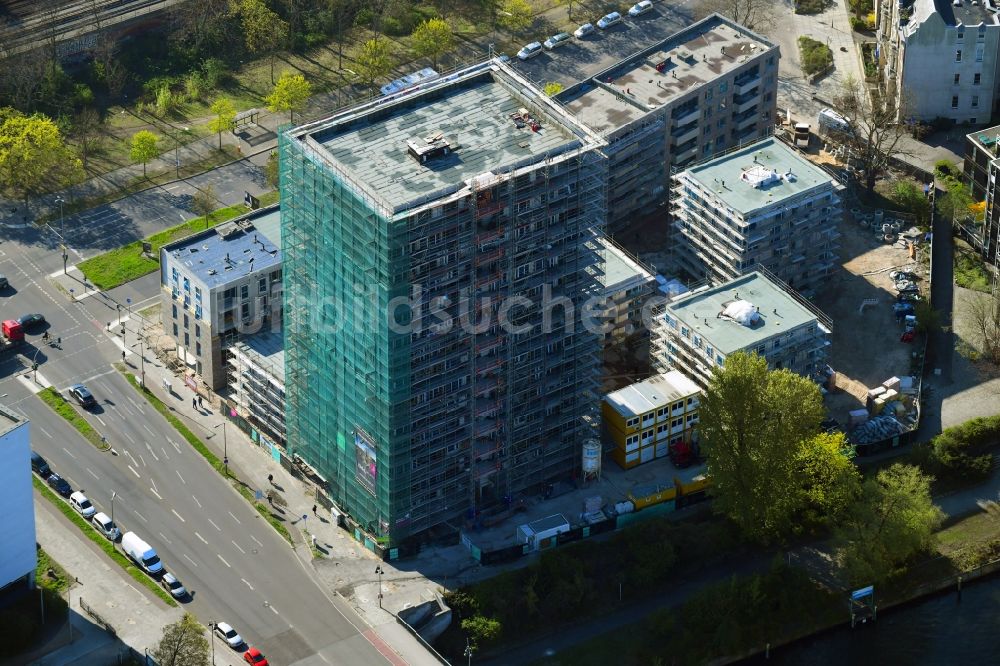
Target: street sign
(258, 495)
(863, 592)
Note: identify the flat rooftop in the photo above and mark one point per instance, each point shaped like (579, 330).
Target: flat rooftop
(779, 313)
(9, 420)
(966, 13)
(663, 73)
(266, 349)
(988, 139)
(759, 175)
(652, 393)
(620, 270)
(470, 113)
(253, 237)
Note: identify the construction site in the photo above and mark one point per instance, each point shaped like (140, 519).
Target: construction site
(476, 190)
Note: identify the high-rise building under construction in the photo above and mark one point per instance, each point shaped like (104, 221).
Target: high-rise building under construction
(440, 248)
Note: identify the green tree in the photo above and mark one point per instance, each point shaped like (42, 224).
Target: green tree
(271, 169)
(515, 15)
(224, 117)
(432, 38)
(908, 196)
(828, 479)
(553, 88)
(263, 30)
(183, 644)
(373, 60)
(87, 132)
(753, 424)
(145, 146)
(956, 201)
(33, 154)
(290, 93)
(482, 630)
(204, 202)
(893, 519)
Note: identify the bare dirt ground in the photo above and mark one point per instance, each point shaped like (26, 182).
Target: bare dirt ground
(865, 346)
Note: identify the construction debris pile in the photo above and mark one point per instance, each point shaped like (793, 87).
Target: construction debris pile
(891, 409)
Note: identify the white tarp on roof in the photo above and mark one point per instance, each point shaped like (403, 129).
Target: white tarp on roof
(742, 312)
(759, 176)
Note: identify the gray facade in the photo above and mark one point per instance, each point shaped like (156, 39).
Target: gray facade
(939, 58)
(702, 90)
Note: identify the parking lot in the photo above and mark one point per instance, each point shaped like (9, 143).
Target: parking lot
(582, 58)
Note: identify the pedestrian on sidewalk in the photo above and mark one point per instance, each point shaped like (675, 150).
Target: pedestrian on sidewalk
(314, 509)
(270, 479)
(194, 403)
(200, 405)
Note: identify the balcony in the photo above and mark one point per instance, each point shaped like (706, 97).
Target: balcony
(688, 117)
(687, 135)
(750, 119)
(750, 102)
(747, 86)
(686, 153)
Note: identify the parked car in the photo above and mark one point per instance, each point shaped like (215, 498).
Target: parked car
(142, 554)
(3, 282)
(253, 656)
(584, 30)
(59, 484)
(640, 8)
(82, 395)
(614, 18)
(228, 634)
(39, 466)
(530, 51)
(173, 586)
(556, 41)
(106, 526)
(82, 505)
(31, 320)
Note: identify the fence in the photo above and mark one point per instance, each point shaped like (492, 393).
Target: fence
(427, 646)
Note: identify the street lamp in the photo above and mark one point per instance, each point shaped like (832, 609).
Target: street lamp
(61, 201)
(225, 445)
(65, 256)
(468, 651)
(114, 494)
(378, 570)
(177, 157)
(211, 626)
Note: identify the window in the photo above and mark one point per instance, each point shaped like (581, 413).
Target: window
(958, 77)
(186, 321)
(244, 292)
(975, 101)
(631, 423)
(954, 101)
(245, 310)
(187, 340)
(958, 55)
(960, 35)
(174, 308)
(175, 330)
(708, 95)
(662, 411)
(708, 352)
(197, 331)
(977, 79)
(721, 123)
(197, 348)
(262, 286)
(684, 331)
(980, 48)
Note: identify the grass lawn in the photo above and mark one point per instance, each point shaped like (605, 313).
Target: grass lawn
(21, 626)
(127, 263)
(814, 55)
(65, 409)
(102, 543)
(213, 460)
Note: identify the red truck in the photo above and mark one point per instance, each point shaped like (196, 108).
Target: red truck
(11, 334)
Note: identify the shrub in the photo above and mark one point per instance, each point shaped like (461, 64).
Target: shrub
(82, 95)
(944, 168)
(810, 6)
(964, 451)
(481, 630)
(856, 24)
(164, 101)
(814, 55)
(195, 86)
(216, 72)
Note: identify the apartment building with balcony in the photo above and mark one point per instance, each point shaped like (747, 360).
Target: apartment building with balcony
(256, 384)
(627, 286)
(219, 285)
(444, 217)
(704, 89)
(939, 57)
(759, 205)
(644, 419)
(754, 313)
(981, 168)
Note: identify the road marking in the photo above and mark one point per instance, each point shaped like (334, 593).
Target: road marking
(140, 516)
(164, 449)
(258, 542)
(273, 609)
(174, 445)
(248, 584)
(181, 477)
(134, 472)
(238, 546)
(92, 474)
(129, 438)
(134, 461)
(101, 420)
(174, 511)
(155, 457)
(224, 560)
(45, 432)
(153, 490)
(189, 559)
(134, 589)
(235, 518)
(196, 501)
(148, 430)
(136, 405)
(202, 538)
(214, 525)
(69, 453)
(142, 459)
(165, 538)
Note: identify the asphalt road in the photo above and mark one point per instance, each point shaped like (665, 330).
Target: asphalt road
(582, 58)
(239, 570)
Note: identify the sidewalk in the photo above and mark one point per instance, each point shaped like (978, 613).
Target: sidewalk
(339, 554)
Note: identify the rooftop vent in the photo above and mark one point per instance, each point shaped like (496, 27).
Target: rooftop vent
(227, 230)
(429, 147)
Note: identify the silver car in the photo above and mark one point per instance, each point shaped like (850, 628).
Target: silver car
(530, 51)
(557, 40)
(174, 587)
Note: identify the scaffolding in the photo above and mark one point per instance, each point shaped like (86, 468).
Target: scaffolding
(417, 428)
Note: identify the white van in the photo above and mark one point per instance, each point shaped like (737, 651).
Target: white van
(142, 554)
(82, 505)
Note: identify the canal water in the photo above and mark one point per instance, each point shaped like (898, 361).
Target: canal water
(937, 630)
